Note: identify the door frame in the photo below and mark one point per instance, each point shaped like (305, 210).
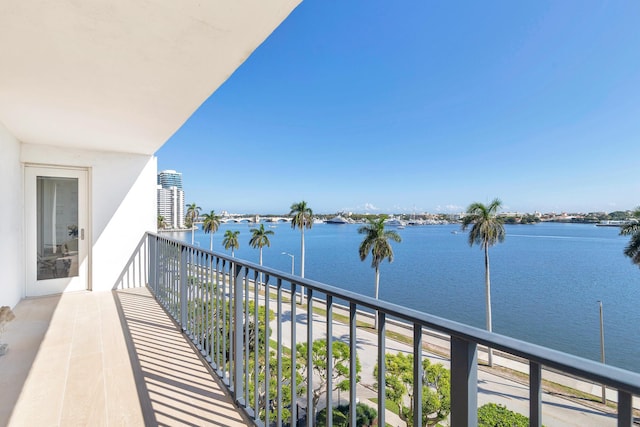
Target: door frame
(34, 287)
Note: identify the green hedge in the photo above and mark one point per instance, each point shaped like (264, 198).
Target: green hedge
(493, 415)
(365, 416)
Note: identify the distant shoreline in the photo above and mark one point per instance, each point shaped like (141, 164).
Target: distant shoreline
(173, 230)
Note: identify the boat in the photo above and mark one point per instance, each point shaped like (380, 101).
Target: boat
(337, 220)
(394, 222)
(613, 223)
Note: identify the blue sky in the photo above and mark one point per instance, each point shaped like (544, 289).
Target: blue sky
(381, 106)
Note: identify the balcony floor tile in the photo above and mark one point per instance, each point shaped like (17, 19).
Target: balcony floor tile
(105, 358)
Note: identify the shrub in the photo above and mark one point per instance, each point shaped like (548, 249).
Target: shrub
(493, 415)
(365, 415)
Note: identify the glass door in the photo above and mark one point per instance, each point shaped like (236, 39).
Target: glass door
(56, 209)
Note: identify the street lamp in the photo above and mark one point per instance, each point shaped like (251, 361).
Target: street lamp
(604, 388)
(293, 272)
(292, 261)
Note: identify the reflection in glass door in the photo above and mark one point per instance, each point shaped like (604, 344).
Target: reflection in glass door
(57, 237)
(57, 227)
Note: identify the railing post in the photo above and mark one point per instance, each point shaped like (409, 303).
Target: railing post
(238, 329)
(310, 408)
(535, 394)
(294, 366)
(353, 348)
(417, 374)
(329, 392)
(152, 261)
(279, 354)
(184, 255)
(246, 335)
(625, 409)
(267, 361)
(382, 367)
(464, 383)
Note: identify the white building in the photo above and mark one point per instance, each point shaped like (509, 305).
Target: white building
(170, 178)
(88, 89)
(171, 198)
(171, 206)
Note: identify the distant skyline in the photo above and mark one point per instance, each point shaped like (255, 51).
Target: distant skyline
(425, 106)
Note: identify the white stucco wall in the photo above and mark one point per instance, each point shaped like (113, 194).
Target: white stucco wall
(122, 203)
(11, 241)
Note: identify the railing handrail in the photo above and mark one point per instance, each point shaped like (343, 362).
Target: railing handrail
(608, 375)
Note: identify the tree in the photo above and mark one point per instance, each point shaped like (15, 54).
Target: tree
(618, 215)
(339, 374)
(230, 240)
(288, 397)
(487, 230)
(162, 223)
(376, 242)
(436, 388)
(210, 225)
(260, 239)
(302, 218)
(633, 229)
(365, 416)
(494, 415)
(193, 211)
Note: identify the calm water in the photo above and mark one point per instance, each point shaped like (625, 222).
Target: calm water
(546, 279)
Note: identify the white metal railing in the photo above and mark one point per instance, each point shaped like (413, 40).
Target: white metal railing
(213, 297)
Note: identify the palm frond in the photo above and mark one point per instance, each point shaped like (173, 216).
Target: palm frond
(302, 215)
(629, 229)
(632, 250)
(376, 241)
(487, 228)
(230, 240)
(260, 237)
(211, 222)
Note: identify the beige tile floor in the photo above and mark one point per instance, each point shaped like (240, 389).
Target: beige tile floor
(105, 359)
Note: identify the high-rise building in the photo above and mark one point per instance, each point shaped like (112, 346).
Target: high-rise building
(170, 178)
(171, 198)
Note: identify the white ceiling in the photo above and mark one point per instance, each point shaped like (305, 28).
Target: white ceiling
(120, 75)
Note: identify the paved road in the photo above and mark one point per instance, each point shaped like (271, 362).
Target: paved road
(557, 411)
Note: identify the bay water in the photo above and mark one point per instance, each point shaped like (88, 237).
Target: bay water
(546, 278)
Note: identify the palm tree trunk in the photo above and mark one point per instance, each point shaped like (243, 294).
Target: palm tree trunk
(487, 281)
(375, 323)
(302, 252)
(211, 242)
(259, 278)
(302, 262)
(192, 233)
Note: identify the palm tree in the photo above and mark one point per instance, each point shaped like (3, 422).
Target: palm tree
(302, 218)
(487, 230)
(230, 240)
(633, 229)
(210, 225)
(193, 211)
(376, 242)
(259, 239)
(162, 223)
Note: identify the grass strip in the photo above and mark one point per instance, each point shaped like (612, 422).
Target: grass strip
(274, 345)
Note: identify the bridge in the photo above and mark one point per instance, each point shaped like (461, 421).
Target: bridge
(254, 219)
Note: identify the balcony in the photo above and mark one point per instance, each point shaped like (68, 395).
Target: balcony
(180, 350)
(105, 358)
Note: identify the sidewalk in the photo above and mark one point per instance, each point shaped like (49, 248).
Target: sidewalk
(557, 410)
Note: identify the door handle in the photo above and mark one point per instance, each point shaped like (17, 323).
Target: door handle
(82, 234)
